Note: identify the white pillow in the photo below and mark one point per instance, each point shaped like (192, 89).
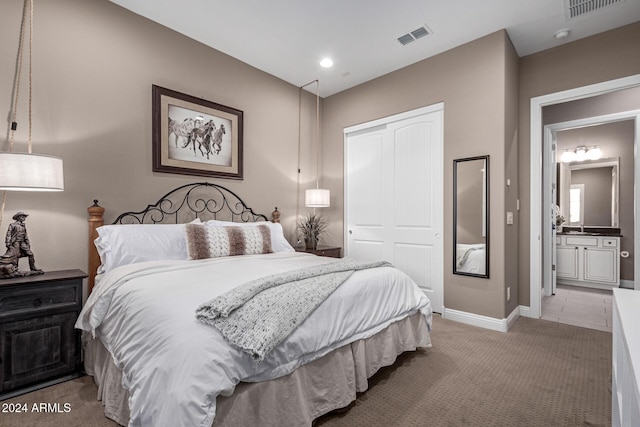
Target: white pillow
(278, 242)
(132, 243)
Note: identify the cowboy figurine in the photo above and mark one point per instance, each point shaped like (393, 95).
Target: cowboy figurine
(17, 243)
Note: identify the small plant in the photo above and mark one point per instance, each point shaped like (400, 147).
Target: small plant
(311, 226)
(560, 220)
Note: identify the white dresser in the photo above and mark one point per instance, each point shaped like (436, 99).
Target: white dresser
(625, 395)
(588, 260)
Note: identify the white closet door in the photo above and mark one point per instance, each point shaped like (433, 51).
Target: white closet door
(394, 200)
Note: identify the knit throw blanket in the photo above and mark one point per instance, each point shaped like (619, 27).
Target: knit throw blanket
(256, 316)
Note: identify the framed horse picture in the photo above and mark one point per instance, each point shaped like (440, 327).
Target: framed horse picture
(193, 136)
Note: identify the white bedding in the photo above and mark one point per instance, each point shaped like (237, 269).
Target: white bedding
(174, 366)
(471, 258)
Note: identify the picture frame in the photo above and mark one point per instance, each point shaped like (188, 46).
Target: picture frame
(194, 136)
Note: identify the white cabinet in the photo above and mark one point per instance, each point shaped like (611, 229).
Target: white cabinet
(600, 265)
(592, 261)
(567, 262)
(625, 378)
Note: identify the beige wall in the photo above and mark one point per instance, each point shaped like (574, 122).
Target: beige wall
(599, 58)
(470, 80)
(511, 191)
(94, 64)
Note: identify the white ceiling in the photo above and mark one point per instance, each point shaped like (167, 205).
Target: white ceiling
(288, 38)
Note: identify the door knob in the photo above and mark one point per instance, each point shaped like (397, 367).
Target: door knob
(350, 231)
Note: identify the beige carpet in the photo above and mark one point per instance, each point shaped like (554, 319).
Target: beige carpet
(538, 374)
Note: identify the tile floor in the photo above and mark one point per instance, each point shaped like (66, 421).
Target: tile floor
(586, 307)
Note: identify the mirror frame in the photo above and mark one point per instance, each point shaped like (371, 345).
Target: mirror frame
(485, 214)
(564, 181)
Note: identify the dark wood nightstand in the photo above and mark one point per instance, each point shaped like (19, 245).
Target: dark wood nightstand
(330, 251)
(39, 345)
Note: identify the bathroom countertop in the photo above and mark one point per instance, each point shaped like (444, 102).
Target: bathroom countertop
(589, 233)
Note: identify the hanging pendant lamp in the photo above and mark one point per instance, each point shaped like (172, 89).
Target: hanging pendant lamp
(27, 171)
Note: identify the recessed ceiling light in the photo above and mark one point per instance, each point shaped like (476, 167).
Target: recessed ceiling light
(562, 34)
(326, 63)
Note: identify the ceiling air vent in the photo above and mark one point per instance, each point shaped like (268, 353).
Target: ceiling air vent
(414, 35)
(575, 8)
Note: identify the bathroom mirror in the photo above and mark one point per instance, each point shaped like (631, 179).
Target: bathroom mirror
(589, 193)
(471, 216)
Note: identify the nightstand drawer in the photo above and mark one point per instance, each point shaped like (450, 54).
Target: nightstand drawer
(333, 252)
(329, 251)
(28, 298)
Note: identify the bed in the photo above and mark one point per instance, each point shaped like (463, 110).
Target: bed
(471, 258)
(159, 360)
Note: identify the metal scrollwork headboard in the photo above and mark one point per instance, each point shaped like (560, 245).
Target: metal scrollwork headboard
(181, 205)
(202, 200)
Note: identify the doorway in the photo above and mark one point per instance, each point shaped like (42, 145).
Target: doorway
(540, 219)
(605, 186)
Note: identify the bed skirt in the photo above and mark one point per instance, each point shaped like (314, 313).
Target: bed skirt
(295, 400)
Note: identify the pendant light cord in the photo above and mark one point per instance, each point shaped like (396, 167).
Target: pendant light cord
(27, 9)
(317, 133)
(317, 82)
(29, 144)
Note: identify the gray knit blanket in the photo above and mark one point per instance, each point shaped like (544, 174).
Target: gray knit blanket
(257, 316)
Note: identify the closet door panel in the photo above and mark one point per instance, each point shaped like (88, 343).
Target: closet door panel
(366, 195)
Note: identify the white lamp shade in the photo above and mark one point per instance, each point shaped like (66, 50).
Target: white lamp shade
(317, 198)
(30, 172)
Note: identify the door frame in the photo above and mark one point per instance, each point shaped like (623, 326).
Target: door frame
(537, 219)
(439, 107)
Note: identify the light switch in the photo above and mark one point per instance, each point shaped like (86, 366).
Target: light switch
(509, 218)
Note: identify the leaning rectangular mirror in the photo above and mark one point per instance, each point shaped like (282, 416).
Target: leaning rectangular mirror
(471, 216)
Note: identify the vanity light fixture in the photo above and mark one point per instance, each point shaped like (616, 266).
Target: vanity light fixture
(581, 153)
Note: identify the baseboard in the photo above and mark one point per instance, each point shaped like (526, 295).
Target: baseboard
(627, 284)
(525, 311)
(511, 318)
(500, 325)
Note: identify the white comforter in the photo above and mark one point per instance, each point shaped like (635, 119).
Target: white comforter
(174, 366)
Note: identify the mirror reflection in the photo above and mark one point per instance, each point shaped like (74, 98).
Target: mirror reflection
(471, 214)
(589, 193)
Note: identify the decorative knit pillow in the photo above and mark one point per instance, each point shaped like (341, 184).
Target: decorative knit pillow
(211, 241)
(278, 242)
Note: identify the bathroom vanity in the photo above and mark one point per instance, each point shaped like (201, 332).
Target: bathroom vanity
(588, 259)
